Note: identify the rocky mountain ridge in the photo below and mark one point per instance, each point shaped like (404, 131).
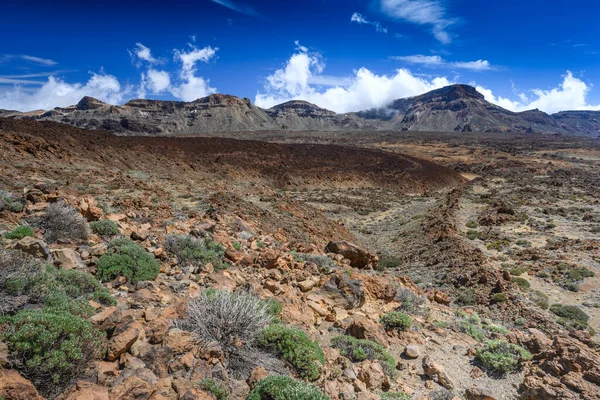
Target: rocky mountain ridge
(455, 108)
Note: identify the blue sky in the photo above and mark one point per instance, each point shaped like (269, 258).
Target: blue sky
(343, 55)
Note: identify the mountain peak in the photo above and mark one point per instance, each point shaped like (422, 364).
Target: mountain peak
(455, 92)
(89, 103)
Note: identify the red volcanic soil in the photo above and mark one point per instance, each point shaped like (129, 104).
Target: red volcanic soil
(282, 165)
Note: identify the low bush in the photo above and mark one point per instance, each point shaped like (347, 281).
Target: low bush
(522, 283)
(295, 347)
(518, 271)
(396, 320)
(472, 224)
(129, 259)
(388, 261)
(539, 298)
(410, 302)
(196, 252)
(501, 357)
(106, 228)
(499, 298)
(323, 262)
(13, 203)
(285, 388)
(19, 232)
(466, 297)
(360, 349)
(499, 245)
(216, 389)
(63, 221)
(275, 307)
(579, 274)
(572, 313)
(50, 348)
(229, 319)
(394, 396)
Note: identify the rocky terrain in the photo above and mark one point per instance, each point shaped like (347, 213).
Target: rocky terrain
(298, 265)
(456, 108)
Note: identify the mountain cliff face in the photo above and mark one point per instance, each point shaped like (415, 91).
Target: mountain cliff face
(458, 108)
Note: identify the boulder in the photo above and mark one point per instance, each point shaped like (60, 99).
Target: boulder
(34, 247)
(359, 257)
(84, 390)
(14, 387)
(480, 393)
(343, 292)
(121, 343)
(437, 373)
(364, 328)
(412, 351)
(67, 259)
(372, 375)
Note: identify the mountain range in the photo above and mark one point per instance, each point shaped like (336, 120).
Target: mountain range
(452, 108)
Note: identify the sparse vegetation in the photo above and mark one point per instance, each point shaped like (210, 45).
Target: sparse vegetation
(63, 222)
(360, 349)
(396, 320)
(13, 203)
(501, 357)
(518, 271)
(196, 252)
(499, 298)
(230, 318)
(106, 228)
(285, 388)
(411, 303)
(129, 259)
(51, 348)
(570, 316)
(394, 396)
(522, 283)
(19, 232)
(539, 298)
(214, 388)
(472, 224)
(295, 347)
(323, 262)
(388, 261)
(499, 245)
(466, 297)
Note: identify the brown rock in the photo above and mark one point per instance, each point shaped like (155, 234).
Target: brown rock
(480, 393)
(121, 343)
(343, 292)
(34, 247)
(437, 373)
(365, 328)
(359, 258)
(412, 351)
(84, 390)
(132, 388)
(371, 373)
(439, 297)
(180, 341)
(256, 375)
(4, 354)
(106, 319)
(14, 387)
(107, 372)
(67, 259)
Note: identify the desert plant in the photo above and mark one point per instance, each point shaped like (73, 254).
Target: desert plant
(129, 259)
(13, 203)
(196, 252)
(522, 282)
(501, 357)
(579, 274)
(50, 348)
(19, 232)
(360, 349)
(499, 298)
(410, 302)
(539, 298)
(285, 388)
(63, 221)
(517, 271)
(466, 297)
(394, 396)
(472, 224)
(216, 389)
(231, 319)
(396, 320)
(295, 347)
(571, 316)
(275, 307)
(320, 261)
(106, 228)
(441, 394)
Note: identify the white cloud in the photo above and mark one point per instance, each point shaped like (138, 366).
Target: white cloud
(571, 94)
(363, 90)
(143, 53)
(39, 60)
(421, 12)
(155, 81)
(437, 62)
(241, 8)
(58, 93)
(360, 19)
(193, 87)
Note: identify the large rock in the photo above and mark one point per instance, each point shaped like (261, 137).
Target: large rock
(34, 247)
(359, 257)
(132, 388)
(364, 328)
(343, 292)
(121, 343)
(87, 391)
(14, 387)
(372, 375)
(437, 373)
(67, 259)
(480, 393)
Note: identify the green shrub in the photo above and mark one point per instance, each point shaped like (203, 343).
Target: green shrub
(466, 297)
(411, 302)
(285, 388)
(396, 320)
(63, 221)
(522, 283)
(237, 245)
(471, 325)
(394, 396)
(572, 313)
(501, 357)
(472, 224)
(275, 307)
(499, 298)
(498, 245)
(579, 274)
(539, 298)
(104, 228)
(50, 348)
(129, 259)
(360, 349)
(19, 232)
(210, 386)
(295, 347)
(14, 204)
(323, 262)
(517, 271)
(196, 252)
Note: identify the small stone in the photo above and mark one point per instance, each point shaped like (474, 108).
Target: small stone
(412, 351)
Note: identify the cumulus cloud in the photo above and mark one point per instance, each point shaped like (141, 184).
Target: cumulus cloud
(570, 94)
(421, 12)
(58, 93)
(439, 62)
(360, 19)
(363, 90)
